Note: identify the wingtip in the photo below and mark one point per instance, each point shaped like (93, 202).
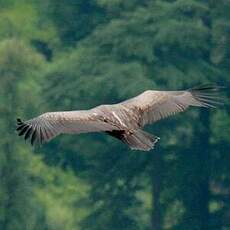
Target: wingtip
(208, 95)
(207, 87)
(19, 121)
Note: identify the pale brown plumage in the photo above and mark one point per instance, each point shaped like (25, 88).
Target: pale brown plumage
(124, 120)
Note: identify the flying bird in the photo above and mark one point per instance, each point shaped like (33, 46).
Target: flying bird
(124, 121)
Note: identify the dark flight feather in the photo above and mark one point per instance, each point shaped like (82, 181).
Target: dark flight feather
(33, 137)
(19, 121)
(20, 127)
(28, 133)
(23, 130)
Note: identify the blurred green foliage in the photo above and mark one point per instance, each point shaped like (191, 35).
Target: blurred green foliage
(70, 55)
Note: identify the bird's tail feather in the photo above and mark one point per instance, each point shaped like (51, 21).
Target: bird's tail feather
(140, 140)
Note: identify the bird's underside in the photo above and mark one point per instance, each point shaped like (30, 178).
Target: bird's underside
(124, 121)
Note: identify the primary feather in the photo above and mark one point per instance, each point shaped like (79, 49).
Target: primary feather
(124, 120)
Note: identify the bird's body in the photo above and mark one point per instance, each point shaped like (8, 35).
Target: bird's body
(124, 120)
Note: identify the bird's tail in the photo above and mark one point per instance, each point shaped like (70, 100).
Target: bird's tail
(140, 140)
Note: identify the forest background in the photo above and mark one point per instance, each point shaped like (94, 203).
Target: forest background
(76, 54)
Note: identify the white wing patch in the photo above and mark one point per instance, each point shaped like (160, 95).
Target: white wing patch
(118, 118)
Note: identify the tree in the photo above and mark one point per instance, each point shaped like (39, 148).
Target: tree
(16, 201)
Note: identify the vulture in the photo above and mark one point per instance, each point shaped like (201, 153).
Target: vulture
(124, 121)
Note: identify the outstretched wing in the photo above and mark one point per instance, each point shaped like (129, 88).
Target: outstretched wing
(152, 106)
(48, 125)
